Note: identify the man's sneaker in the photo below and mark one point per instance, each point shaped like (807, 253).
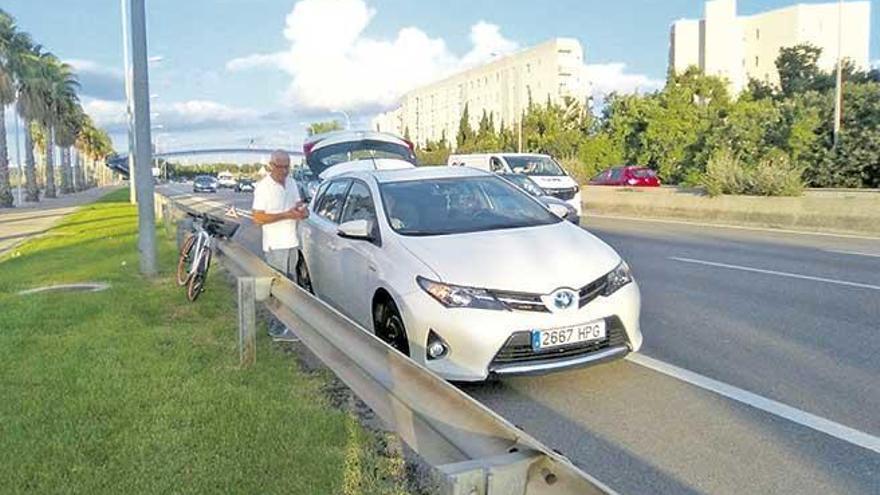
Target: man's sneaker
(286, 336)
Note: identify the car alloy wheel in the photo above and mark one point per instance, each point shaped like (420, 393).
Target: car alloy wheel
(389, 326)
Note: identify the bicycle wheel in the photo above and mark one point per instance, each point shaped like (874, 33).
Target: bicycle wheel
(197, 282)
(183, 262)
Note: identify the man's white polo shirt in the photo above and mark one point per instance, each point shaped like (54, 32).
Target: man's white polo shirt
(272, 197)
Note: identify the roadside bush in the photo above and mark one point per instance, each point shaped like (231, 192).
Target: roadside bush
(725, 174)
(580, 172)
(774, 175)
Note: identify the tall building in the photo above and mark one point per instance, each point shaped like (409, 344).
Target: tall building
(502, 88)
(740, 48)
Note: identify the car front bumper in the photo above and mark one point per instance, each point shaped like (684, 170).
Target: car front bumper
(476, 337)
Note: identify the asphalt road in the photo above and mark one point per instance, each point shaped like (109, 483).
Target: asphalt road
(786, 326)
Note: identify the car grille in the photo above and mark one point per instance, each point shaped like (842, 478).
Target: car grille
(523, 301)
(564, 194)
(518, 348)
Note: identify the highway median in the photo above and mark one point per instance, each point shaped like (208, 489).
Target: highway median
(817, 210)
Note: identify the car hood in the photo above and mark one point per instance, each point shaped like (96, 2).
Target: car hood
(533, 259)
(366, 164)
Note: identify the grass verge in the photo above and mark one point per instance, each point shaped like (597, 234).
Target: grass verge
(135, 390)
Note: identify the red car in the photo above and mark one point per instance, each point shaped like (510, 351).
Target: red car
(627, 176)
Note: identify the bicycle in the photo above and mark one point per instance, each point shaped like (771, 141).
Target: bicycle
(197, 251)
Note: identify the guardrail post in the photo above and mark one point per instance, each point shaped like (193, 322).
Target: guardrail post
(250, 291)
(247, 320)
(506, 474)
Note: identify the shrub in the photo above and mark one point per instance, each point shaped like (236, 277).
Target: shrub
(724, 174)
(774, 175)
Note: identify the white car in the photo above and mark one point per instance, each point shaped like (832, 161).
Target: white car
(464, 272)
(542, 169)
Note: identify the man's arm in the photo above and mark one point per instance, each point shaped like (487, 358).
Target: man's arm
(298, 212)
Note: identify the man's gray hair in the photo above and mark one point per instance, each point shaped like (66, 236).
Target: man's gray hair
(278, 155)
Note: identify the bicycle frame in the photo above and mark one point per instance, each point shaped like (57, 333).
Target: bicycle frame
(203, 240)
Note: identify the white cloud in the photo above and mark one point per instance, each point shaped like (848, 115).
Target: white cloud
(334, 65)
(98, 81)
(174, 116)
(612, 78)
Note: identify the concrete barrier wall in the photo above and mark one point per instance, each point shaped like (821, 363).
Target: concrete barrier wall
(824, 210)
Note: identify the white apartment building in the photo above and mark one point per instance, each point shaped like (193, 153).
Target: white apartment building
(740, 48)
(553, 69)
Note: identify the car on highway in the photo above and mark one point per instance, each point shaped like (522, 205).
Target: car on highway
(528, 185)
(464, 272)
(630, 176)
(205, 183)
(306, 181)
(226, 179)
(542, 169)
(244, 184)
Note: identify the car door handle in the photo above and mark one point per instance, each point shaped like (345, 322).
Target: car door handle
(372, 268)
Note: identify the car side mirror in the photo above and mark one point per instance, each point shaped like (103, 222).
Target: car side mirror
(356, 229)
(558, 210)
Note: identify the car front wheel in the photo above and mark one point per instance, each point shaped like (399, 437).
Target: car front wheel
(389, 326)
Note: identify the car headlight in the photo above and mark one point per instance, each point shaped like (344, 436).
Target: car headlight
(617, 278)
(454, 296)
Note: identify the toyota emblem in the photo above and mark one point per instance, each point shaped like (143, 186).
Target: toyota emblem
(563, 299)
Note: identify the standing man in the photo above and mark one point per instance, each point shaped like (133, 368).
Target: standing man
(277, 207)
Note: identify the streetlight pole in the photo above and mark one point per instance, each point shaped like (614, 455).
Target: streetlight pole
(347, 119)
(126, 60)
(141, 125)
(838, 92)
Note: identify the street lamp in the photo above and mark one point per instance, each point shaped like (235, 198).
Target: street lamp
(347, 118)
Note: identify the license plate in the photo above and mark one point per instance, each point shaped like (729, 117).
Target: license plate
(546, 339)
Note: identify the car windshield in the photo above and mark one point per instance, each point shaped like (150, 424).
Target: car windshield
(204, 180)
(334, 154)
(523, 181)
(459, 205)
(533, 165)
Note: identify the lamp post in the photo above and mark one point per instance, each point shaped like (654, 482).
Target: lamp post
(347, 118)
(139, 154)
(838, 91)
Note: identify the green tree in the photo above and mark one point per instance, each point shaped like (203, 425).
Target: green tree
(316, 128)
(799, 70)
(465, 137)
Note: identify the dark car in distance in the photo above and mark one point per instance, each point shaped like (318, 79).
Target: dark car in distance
(528, 185)
(630, 176)
(205, 183)
(244, 185)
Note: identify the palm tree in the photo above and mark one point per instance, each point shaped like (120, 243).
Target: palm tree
(10, 41)
(31, 106)
(59, 92)
(68, 122)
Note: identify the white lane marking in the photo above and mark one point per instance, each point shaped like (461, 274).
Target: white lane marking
(854, 253)
(587, 215)
(780, 274)
(803, 418)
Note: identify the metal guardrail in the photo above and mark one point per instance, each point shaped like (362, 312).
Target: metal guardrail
(474, 451)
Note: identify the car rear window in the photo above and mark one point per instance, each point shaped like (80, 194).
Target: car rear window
(644, 172)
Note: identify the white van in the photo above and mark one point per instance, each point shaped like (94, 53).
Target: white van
(226, 179)
(542, 169)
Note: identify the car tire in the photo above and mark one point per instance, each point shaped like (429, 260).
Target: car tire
(389, 326)
(303, 278)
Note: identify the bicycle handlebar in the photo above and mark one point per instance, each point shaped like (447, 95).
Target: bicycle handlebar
(216, 227)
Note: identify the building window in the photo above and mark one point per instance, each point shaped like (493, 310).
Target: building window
(757, 34)
(756, 61)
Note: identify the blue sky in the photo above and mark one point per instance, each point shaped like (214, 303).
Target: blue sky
(229, 73)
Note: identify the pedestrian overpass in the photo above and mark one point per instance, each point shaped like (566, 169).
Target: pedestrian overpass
(119, 162)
